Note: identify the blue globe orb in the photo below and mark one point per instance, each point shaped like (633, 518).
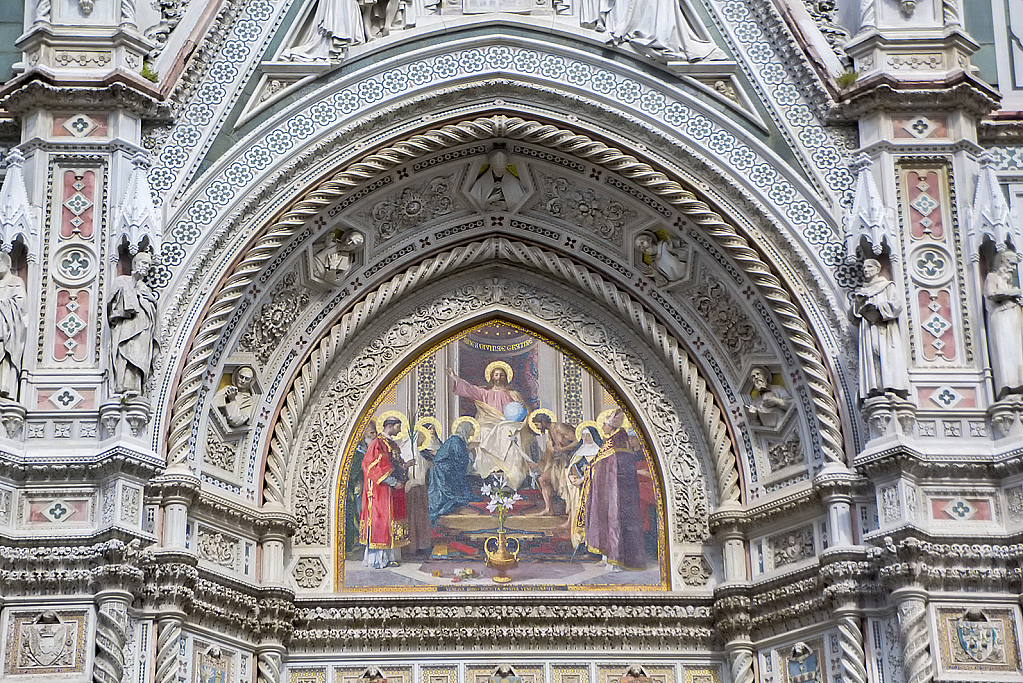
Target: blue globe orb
(515, 412)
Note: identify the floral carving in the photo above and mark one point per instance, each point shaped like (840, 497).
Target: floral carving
(218, 453)
(309, 572)
(695, 570)
(412, 206)
(737, 334)
(217, 548)
(586, 207)
(784, 454)
(275, 318)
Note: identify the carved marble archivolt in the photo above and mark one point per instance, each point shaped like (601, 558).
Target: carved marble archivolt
(269, 242)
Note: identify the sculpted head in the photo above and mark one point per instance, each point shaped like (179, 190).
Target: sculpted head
(645, 243)
(871, 269)
(1006, 261)
(498, 162)
(141, 264)
(761, 378)
(243, 377)
(5, 263)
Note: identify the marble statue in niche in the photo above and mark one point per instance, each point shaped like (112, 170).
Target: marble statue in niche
(662, 255)
(13, 328)
(497, 186)
(876, 309)
(235, 400)
(768, 400)
(1005, 324)
(131, 315)
(331, 263)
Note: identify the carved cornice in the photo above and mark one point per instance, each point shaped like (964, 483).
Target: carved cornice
(904, 459)
(661, 622)
(1005, 128)
(787, 601)
(269, 241)
(228, 513)
(883, 92)
(116, 91)
(749, 518)
(41, 566)
(94, 466)
(907, 557)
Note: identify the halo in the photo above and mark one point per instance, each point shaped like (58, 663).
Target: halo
(499, 364)
(604, 414)
(466, 418)
(588, 423)
(421, 423)
(398, 414)
(540, 411)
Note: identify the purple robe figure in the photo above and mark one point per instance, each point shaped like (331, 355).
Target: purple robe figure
(609, 510)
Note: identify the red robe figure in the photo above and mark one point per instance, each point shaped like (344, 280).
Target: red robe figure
(383, 525)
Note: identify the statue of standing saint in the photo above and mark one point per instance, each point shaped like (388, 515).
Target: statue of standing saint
(13, 328)
(876, 308)
(131, 314)
(1005, 325)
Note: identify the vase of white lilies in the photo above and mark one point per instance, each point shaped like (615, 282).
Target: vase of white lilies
(502, 501)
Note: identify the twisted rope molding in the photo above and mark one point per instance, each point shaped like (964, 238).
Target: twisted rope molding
(695, 387)
(183, 410)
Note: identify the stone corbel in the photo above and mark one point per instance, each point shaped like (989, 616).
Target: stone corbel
(12, 415)
(124, 418)
(889, 415)
(1007, 416)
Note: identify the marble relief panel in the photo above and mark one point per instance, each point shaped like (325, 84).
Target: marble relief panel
(49, 642)
(978, 642)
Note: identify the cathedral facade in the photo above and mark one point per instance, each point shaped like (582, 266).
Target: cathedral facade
(539, 341)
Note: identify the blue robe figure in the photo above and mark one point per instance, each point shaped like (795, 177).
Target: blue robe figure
(449, 486)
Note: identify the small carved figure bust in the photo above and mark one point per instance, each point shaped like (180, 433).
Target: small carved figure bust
(497, 186)
(235, 400)
(662, 256)
(333, 261)
(769, 401)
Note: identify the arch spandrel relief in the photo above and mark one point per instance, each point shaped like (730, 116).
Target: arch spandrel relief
(498, 435)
